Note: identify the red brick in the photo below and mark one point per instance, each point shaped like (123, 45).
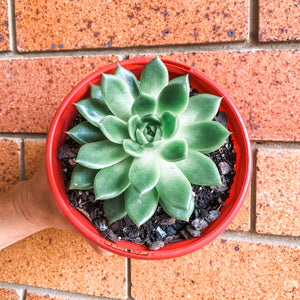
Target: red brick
(9, 163)
(61, 260)
(36, 296)
(102, 24)
(221, 270)
(32, 89)
(279, 20)
(263, 85)
(278, 192)
(241, 222)
(4, 30)
(34, 152)
(8, 294)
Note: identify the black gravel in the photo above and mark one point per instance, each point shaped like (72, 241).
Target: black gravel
(160, 229)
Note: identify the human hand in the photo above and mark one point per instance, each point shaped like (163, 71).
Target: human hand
(29, 207)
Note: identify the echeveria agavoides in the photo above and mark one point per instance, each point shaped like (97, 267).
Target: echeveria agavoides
(144, 142)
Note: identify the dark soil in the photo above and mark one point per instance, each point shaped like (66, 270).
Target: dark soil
(160, 229)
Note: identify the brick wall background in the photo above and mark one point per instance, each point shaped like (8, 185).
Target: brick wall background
(251, 48)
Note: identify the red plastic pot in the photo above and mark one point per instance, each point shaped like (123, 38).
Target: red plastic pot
(62, 122)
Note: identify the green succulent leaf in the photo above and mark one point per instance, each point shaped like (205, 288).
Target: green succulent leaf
(182, 79)
(132, 125)
(133, 148)
(96, 92)
(140, 137)
(179, 214)
(114, 209)
(100, 154)
(173, 98)
(85, 132)
(174, 150)
(173, 187)
(144, 105)
(114, 129)
(144, 174)
(140, 208)
(199, 169)
(201, 107)
(93, 110)
(82, 178)
(154, 78)
(169, 125)
(130, 79)
(112, 181)
(117, 96)
(205, 136)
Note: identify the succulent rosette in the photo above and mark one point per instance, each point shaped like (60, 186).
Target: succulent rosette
(144, 143)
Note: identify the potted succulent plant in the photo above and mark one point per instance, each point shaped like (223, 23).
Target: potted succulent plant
(143, 142)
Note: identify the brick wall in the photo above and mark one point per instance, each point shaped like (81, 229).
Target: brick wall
(251, 48)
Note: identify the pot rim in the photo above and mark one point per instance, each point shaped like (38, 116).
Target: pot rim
(81, 224)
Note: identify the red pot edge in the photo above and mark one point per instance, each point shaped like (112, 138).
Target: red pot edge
(190, 245)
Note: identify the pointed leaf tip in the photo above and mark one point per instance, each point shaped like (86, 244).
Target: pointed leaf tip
(117, 96)
(154, 77)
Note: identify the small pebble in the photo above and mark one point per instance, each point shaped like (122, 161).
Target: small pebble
(161, 232)
(193, 232)
(199, 224)
(212, 216)
(168, 221)
(156, 245)
(224, 168)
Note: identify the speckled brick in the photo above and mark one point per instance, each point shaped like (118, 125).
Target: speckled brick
(263, 85)
(279, 20)
(241, 221)
(34, 152)
(4, 30)
(278, 192)
(9, 163)
(61, 260)
(36, 296)
(221, 270)
(8, 294)
(32, 89)
(103, 24)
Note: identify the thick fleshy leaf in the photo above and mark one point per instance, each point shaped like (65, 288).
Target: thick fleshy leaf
(144, 173)
(174, 150)
(112, 181)
(182, 79)
(201, 107)
(173, 98)
(130, 79)
(177, 213)
(117, 96)
(152, 119)
(101, 154)
(114, 129)
(132, 125)
(169, 125)
(114, 209)
(173, 187)
(140, 208)
(85, 132)
(93, 110)
(205, 136)
(82, 178)
(154, 78)
(133, 148)
(144, 105)
(96, 92)
(199, 169)
(140, 137)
